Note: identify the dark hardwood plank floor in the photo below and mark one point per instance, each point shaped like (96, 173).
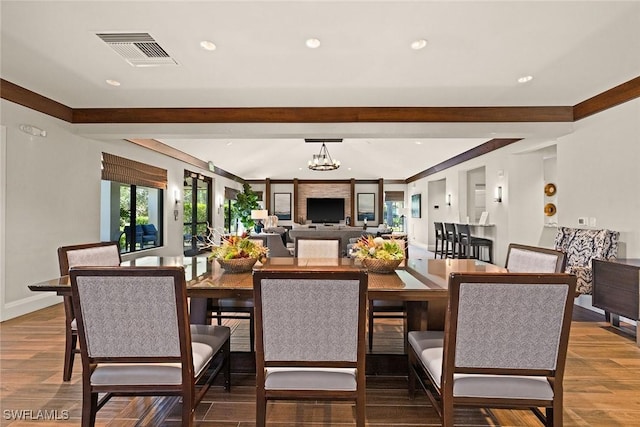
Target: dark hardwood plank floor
(602, 385)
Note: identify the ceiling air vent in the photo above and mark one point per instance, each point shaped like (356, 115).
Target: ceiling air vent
(138, 49)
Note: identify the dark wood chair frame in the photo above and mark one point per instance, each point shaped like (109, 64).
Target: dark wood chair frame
(441, 395)
(560, 263)
(189, 393)
(359, 395)
(71, 335)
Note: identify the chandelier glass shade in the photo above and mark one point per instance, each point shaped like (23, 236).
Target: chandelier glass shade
(323, 161)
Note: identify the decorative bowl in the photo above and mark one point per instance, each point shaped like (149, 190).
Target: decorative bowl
(383, 266)
(237, 265)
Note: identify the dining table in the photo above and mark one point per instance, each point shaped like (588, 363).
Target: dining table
(421, 283)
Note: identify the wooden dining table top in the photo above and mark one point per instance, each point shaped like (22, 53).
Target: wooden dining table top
(418, 280)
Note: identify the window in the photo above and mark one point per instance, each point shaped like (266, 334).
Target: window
(131, 209)
(230, 219)
(394, 214)
(198, 194)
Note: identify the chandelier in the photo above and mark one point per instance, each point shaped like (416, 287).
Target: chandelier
(322, 161)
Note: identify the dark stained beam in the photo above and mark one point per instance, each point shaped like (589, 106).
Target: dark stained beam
(26, 98)
(614, 96)
(480, 150)
(324, 115)
(162, 148)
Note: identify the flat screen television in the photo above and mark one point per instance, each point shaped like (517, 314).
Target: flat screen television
(327, 210)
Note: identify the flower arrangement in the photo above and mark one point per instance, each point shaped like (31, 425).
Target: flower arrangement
(237, 247)
(378, 248)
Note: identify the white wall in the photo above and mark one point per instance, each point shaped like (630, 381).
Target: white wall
(53, 199)
(597, 176)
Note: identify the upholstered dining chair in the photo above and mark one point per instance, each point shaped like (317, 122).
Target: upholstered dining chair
(86, 254)
(135, 338)
(310, 337)
(317, 248)
(504, 345)
(533, 259)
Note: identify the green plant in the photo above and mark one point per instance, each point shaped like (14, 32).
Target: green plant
(245, 203)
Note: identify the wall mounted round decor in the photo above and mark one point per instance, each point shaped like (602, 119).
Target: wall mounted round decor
(550, 189)
(549, 209)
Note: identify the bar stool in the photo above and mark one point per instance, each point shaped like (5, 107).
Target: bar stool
(440, 240)
(451, 240)
(469, 245)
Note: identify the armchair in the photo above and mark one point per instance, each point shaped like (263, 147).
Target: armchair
(86, 254)
(504, 345)
(302, 353)
(135, 338)
(582, 246)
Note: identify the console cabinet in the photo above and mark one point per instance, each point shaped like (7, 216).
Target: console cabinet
(616, 288)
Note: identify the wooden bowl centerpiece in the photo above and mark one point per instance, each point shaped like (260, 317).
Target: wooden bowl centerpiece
(379, 255)
(238, 254)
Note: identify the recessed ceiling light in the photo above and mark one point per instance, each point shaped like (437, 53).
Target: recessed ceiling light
(229, 143)
(313, 43)
(418, 142)
(418, 44)
(525, 79)
(207, 45)
(113, 82)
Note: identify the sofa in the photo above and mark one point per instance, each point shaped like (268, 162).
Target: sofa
(581, 246)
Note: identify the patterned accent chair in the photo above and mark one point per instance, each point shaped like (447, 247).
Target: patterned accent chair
(581, 247)
(310, 337)
(135, 338)
(504, 345)
(86, 254)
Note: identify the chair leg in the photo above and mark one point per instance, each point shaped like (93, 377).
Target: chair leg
(188, 412)
(252, 333)
(370, 318)
(411, 377)
(89, 407)
(227, 365)
(360, 409)
(71, 341)
(261, 409)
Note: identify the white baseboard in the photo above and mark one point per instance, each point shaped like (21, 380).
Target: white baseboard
(28, 305)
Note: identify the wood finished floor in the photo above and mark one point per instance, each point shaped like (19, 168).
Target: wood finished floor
(602, 385)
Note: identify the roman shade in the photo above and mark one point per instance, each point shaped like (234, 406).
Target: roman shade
(126, 171)
(394, 196)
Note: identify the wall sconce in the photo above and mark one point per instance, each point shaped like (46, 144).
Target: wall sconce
(176, 211)
(449, 199)
(498, 197)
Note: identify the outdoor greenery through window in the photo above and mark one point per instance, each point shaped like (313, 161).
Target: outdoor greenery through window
(198, 193)
(394, 211)
(124, 205)
(131, 203)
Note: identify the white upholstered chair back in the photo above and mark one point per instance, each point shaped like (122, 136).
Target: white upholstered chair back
(317, 248)
(97, 256)
(521, 330)
(531, 259)
(129, 316)
(310, 319)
